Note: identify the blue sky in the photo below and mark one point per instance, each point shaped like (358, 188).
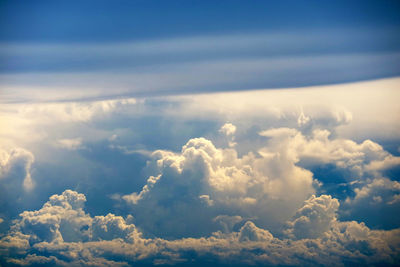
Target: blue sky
(144, 48)
(100, 21)
(249, 133)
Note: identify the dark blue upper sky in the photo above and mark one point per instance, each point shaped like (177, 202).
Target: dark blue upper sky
(93, 21)
(167, 47)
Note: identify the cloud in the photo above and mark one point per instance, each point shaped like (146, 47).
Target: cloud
(267, 185)
(32, 124)
(328, 107)
(262, 201)
(195, 64)
(366, 159)
(217, 182)
(73, 111)
(249, 232)
(70, 144)
(62, 219)
(315, 218)
(62, 233)
(375, 202)
(16, 164)
(229, 130)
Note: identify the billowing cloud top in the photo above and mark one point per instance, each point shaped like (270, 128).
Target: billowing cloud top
(252, 178)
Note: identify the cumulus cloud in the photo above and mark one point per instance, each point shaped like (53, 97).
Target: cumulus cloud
(362, 166)
(366, 159)
(303, 120)
(229, 130)
(314, 218)
(62, 219)
(61, 233)
(267, 185)
(217, 182)
(255, 201)
(16, 164)
(376, 202)
(326, 107)
(249, 232)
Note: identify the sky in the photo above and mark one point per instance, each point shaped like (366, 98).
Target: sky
(223, 133)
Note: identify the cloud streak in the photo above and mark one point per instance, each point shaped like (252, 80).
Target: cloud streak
(199, 63)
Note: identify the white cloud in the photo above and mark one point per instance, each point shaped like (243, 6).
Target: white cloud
(248, 194)
(16, 164)
(62, 233)
(315, 218)
(32, 124)
(375, 187)
(218, 182)
(229, 130)
(376, 202)
(267, 186)
(388, 162)
(303, 120)
(73, 111)
(356, 108)
(365, 159)
(70, 144)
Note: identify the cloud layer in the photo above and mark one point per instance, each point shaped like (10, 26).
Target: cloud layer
(264, 178)
(71, 237)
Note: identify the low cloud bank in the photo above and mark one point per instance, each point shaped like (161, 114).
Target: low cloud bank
(62, 233)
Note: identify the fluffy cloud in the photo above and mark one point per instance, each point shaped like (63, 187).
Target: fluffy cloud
(366, 159)
(252, 198)
(266, 186)
(362, 164)
(217, 182)
(61, 233)
(16, 164)
(62, 219)
(376, 203)
(229, 130)
(325, 107)
(314, 218)
(40, 127)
